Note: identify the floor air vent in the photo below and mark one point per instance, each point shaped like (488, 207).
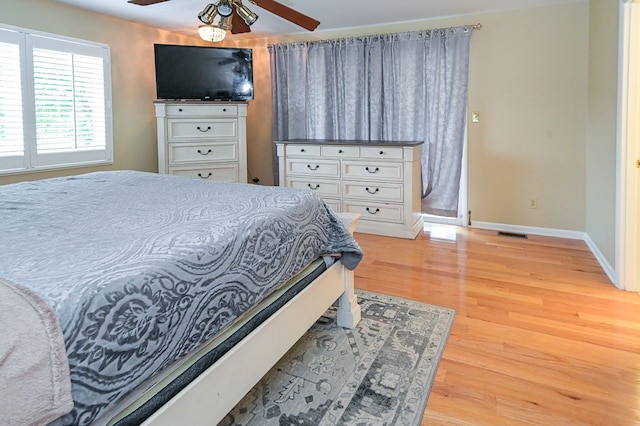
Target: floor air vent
(511, 234)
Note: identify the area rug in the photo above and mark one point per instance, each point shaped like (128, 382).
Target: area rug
(379, 373)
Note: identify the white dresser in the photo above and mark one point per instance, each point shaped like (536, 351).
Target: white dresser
(206, 140)
(381, 181)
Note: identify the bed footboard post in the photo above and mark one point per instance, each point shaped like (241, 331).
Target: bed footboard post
(348, 309)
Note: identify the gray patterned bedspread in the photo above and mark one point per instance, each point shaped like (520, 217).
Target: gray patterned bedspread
(142, 268)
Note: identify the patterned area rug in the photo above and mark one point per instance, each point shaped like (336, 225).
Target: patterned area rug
(379, 373)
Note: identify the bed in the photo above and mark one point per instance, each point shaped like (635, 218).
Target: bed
(145, 277)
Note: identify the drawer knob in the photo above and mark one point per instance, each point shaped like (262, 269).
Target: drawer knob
(204, 177)
(340, 151)
(302, 150)
(313, 187)
(372, 192)
(204, 153)
(381, 152)
(376, 170)
(313, 168)
(180, 109)
(371, 211)
(224, 110)
(205, 130)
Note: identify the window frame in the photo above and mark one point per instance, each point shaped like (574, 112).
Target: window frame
(31, 161)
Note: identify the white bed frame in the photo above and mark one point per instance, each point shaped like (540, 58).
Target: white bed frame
(209, 398)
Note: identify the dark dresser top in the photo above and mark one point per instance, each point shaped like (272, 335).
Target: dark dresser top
(350, 142)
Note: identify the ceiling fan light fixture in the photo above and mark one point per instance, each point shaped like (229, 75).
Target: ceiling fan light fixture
(225, 7)
(211, 33)
(247, 15)
(226, 22)
(208, 14)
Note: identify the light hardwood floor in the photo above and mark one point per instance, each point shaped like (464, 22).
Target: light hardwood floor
(541, 337)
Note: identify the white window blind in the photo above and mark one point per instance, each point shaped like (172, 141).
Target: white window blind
(11, 123)
(69, 98)
(56, 110)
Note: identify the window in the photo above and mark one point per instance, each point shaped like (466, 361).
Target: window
(55, 102)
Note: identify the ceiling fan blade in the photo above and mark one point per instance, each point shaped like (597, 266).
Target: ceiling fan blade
(145, 2)
(239, 26)
(289, 14)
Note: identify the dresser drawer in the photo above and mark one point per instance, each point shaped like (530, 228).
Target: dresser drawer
(340, 151)
(391, 153)
(321, 187)
(374, 211)
(367, 171)
(314, 167)
(303, 150)
(375, 191)
(222, 172)
(189, 129)
(192, 153)
(204, 110)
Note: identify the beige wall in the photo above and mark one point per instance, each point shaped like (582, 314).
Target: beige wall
(528, 80)
(132, 68)
(601, 126)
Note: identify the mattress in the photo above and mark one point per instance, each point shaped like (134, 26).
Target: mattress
(162, 389)
(142, 269)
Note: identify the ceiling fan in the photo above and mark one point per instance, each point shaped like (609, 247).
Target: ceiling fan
(235, 16)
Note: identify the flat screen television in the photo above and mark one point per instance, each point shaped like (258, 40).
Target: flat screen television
(203, 73)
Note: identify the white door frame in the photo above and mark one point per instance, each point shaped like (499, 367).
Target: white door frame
(628, 149)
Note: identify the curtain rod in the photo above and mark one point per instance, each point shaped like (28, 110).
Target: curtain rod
(467, 27)
(475, 27)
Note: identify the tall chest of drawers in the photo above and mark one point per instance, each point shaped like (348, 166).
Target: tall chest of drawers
(379, 180)
(205, 140)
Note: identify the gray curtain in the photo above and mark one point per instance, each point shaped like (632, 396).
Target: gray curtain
(405, 86)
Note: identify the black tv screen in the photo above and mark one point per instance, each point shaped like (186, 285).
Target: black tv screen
(204, 73)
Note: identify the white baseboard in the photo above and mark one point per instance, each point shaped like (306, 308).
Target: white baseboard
(546, 232)
(608, 269)
(550, 232)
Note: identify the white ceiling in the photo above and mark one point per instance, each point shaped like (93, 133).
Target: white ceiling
(181, 16)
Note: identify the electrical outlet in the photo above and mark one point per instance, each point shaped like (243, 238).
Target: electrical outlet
(533, 203)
